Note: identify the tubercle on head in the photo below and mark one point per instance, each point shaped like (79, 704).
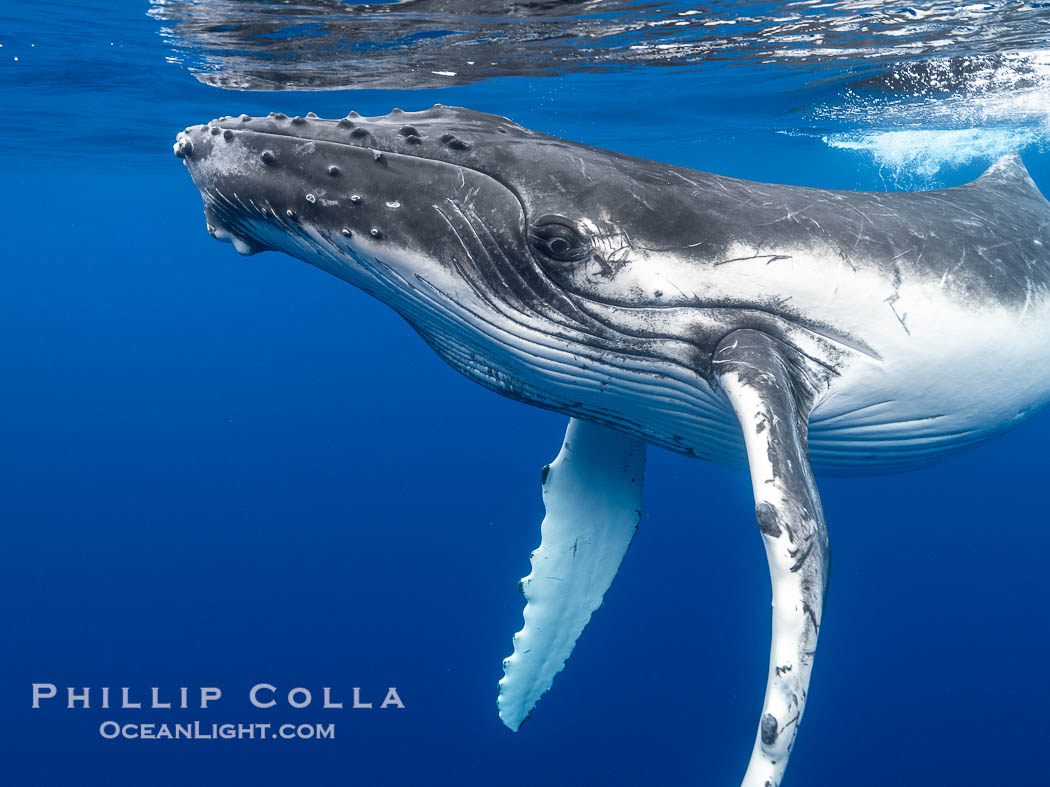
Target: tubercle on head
(451, 130)
(318, 202)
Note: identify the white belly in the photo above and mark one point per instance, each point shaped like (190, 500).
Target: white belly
(947, 376)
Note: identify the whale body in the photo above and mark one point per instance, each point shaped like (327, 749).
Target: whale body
(792, 330)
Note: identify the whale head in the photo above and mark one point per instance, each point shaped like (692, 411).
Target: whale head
(412, 182)
(500, 245)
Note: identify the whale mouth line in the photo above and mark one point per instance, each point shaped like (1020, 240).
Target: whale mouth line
(367, 144)
(286, 151)
(386, 151)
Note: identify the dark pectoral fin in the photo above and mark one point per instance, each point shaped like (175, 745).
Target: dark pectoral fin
(772, 398)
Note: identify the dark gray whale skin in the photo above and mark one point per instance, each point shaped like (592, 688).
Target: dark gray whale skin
(717, 317)
(991, 235)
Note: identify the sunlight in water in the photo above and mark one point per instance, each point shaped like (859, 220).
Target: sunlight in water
(916, 156)
(924, 118)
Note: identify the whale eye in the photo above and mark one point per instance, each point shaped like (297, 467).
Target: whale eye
(556, 237)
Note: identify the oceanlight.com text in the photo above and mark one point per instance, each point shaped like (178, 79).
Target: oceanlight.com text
(213, 731)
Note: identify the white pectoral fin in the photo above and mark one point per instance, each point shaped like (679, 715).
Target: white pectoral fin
(771, 399)
(593, 497)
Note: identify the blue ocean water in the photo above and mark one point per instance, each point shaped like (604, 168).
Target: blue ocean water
(223, 471)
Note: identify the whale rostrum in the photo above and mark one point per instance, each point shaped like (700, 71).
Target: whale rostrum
(790, 330)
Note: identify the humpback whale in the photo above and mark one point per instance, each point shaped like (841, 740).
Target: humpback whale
(791, 330)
